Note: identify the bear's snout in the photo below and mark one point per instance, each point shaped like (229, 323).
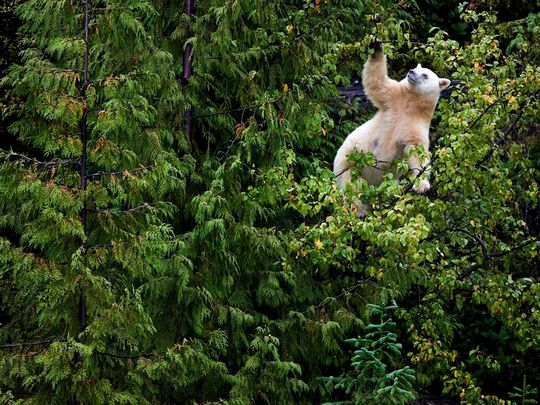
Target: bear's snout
(411, 76)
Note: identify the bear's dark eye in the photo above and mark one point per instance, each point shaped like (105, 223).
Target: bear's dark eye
(424, 75)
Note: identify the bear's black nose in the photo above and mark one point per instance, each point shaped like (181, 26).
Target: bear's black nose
(411, 72)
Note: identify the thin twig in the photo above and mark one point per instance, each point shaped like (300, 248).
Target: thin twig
(125, 172)
(29, 344)
(374, 166)
(343, 292)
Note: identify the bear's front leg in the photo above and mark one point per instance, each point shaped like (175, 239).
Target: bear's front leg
(378, 87)
(418, 169)
(422, 187)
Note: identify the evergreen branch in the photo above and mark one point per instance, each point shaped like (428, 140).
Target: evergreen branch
(111, 77)
(52, 69)
(60, 93)
(187, 67)
(100, 245)
(110, 8)
(67, 186)
(130, 356)
(109, 245)
(306, 34)
(240, 109)
(140, 355)
(48, 342)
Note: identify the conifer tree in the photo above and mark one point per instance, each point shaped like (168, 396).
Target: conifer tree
(374, 377)
(86, 208)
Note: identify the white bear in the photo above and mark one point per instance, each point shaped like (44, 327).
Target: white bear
(402, 121)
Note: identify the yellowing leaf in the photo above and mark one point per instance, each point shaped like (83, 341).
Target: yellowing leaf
(488, 98)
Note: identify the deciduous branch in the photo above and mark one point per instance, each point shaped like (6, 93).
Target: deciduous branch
(495, 255)
(343, 292)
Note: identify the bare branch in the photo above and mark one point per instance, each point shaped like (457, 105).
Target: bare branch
(496, 255)
(29, 344)
(43, 164)
(477, 238)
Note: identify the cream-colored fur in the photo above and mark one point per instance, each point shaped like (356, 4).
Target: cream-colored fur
(402, 121)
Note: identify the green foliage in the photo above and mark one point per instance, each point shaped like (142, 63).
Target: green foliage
(375, 378)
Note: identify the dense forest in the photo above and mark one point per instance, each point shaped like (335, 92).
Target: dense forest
(171, 231)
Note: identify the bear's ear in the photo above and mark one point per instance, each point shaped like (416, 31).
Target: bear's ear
(419, 66)
(443, 84)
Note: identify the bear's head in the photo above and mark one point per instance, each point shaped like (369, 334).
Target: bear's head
(425, 81)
